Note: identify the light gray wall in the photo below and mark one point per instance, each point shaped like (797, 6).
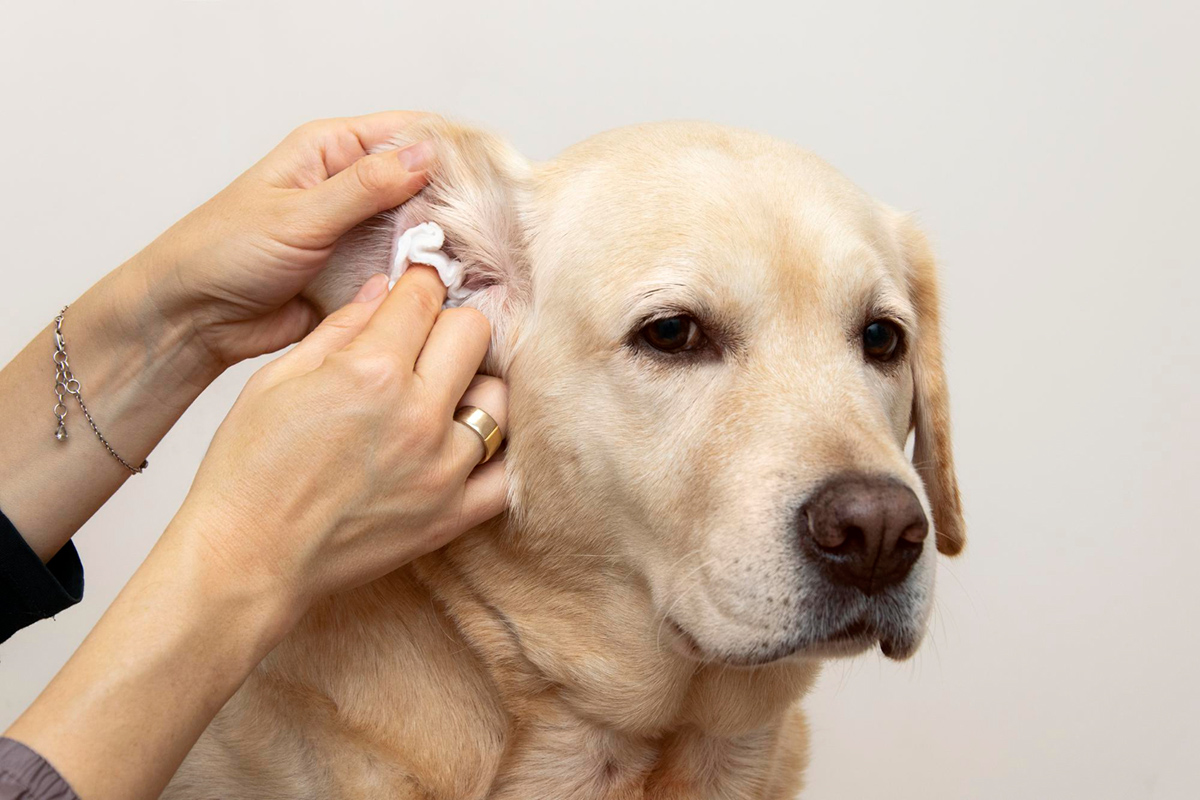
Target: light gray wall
(1050, 149)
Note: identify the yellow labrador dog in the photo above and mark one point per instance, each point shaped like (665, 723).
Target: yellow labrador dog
(716, 348)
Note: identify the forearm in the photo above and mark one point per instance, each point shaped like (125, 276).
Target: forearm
(138, 369)
(176, 643)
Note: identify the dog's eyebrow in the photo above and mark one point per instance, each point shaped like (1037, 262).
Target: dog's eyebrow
(883, 299)
(886, 307)
(649, 292)
(653, 298)
(657, 299)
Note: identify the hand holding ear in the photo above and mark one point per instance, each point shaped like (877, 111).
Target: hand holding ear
(341, 460)
(220, 286)
(232, 270)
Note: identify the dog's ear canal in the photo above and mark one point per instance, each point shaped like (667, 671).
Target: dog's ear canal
(476, 192)
(933, 454)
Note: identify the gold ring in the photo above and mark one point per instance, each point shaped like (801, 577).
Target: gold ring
(484, 427)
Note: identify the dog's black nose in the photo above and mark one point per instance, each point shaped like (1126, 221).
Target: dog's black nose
(866, 531)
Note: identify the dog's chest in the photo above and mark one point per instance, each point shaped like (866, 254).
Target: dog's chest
(561, 756)
(598, 708)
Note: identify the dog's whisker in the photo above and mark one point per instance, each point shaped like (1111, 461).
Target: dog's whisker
(610, 556)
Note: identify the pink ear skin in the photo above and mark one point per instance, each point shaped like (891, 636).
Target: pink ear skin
(475, 191)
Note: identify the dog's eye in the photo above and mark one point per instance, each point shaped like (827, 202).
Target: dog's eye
(881, 340)
(673, 334)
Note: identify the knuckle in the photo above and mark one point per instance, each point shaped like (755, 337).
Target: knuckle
(427, 423)
(306, 130)
(425, 301)
(474, 323)
(263, 379)
(320, 125)
(372, 175)
(343, 319)
(493, 391)
(373, 369)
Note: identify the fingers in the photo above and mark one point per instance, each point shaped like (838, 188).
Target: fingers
(455, 349)
(484, 496)
(369, 185)
(337, 330)
(277, 329)
(339, 142)
(488, 394)
(403, 322)
(337, 181)
(380, 128)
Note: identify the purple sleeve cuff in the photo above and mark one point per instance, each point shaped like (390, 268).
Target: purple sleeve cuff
(24, 775)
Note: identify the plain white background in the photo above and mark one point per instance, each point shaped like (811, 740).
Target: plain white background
(1050, 150)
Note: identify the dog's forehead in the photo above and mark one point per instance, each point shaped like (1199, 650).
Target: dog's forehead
(724, 209)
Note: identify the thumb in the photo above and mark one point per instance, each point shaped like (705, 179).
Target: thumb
(372, 184)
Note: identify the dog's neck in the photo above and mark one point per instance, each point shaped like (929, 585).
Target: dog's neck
(588, 641)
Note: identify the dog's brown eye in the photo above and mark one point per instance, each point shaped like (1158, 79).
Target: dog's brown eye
(673, 334)
(881, 340)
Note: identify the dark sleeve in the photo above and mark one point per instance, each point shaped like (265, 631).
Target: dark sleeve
(24, 775)
(29, 589)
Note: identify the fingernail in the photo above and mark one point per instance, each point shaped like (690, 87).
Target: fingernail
(371, 289)
(416, 157)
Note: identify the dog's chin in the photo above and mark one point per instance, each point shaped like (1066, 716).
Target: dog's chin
(861, 636)
(851, 640)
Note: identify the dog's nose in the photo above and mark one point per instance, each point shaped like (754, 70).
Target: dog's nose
(867, 531)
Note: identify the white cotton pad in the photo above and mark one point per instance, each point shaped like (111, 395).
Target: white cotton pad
(422, 244)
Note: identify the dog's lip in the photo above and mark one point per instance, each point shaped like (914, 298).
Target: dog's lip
(855, 630)
(683, 641)
(851, 639)
(899, 649)
(861, 632)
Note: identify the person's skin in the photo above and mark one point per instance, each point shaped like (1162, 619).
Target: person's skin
(339, 462)
(220, 286)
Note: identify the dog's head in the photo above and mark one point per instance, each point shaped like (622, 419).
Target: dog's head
(717, 348)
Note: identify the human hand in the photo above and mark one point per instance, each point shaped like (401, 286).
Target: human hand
(341, 461)
(219, 286)
(232, 269)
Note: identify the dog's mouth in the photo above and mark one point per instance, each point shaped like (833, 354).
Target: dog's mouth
(849, 639)
(861, 634)
(683, 642)
(853, 632)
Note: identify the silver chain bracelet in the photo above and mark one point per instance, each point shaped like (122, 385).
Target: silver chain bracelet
(65, 383)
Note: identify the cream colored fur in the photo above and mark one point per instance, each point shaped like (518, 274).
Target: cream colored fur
(641, 624)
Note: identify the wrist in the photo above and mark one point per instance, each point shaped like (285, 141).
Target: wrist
(156, 313)
(263, 602)
(137, 370)
(167, 655)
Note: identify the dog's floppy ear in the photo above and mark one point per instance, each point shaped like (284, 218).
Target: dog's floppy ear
(475, 192)
(933, 454)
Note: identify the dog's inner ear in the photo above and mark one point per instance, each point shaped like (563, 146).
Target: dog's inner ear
(475, 194)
